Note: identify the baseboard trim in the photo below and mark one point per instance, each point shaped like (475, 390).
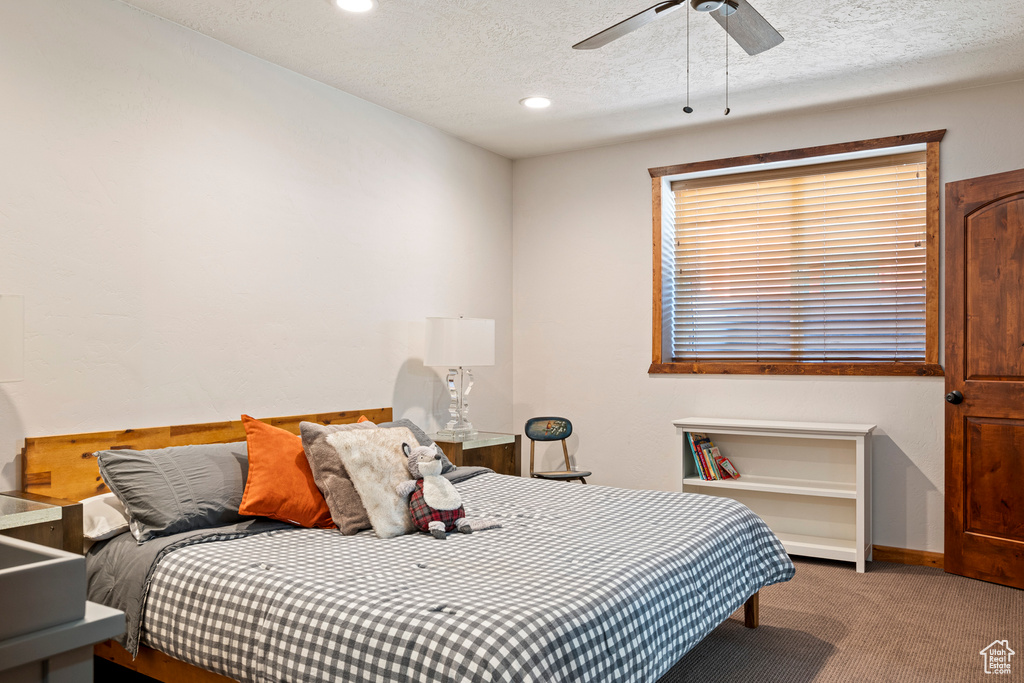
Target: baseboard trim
(923, 558)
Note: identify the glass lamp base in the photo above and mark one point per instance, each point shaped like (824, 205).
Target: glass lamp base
(457, 433)
(460, 382)
(457, 429)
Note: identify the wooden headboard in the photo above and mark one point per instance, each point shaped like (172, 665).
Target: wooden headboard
(66, 467)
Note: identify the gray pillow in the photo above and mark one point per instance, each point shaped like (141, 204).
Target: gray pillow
(170, 490)
(421, 436)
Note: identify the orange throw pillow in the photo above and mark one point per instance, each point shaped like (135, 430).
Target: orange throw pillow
(280, 484)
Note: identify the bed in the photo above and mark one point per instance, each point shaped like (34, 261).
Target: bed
(580, 582)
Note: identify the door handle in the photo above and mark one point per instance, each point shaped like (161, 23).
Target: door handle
(954, 397)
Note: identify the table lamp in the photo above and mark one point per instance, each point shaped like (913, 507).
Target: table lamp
(459, 344)
(12, 338)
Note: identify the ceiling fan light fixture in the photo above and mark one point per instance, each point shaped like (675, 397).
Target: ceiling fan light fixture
(355, 5)
(707, 5)
(535, 102)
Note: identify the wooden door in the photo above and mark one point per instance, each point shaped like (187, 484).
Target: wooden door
(985, 378)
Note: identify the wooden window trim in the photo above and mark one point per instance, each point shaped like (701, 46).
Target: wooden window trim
(930, 366)
(746, 177)
(804, 153)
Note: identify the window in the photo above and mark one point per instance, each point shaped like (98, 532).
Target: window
(813, 261)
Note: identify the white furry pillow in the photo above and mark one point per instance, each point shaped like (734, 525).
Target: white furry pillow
(376, 465)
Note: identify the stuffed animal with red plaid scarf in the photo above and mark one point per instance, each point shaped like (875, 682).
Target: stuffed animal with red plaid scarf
(435, 505)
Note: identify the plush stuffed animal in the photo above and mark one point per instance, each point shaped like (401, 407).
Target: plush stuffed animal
(435, 504)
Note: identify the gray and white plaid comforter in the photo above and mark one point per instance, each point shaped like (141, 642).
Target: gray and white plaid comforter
(583, 583)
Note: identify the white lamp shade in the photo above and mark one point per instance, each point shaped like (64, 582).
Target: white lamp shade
(12, 338)
(459, 342)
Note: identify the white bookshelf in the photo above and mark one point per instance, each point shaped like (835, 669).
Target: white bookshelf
(809, 481)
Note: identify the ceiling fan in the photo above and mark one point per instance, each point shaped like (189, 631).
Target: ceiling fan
(740, 20)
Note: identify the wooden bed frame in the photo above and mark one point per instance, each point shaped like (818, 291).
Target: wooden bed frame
(65, 467)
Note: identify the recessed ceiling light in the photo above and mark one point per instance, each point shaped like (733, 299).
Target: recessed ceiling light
(356, 5)
(535, 102)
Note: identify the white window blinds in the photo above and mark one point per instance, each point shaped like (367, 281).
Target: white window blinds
(820, 263)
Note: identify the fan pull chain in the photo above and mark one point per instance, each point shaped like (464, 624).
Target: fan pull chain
(688, 109)
(726, 65)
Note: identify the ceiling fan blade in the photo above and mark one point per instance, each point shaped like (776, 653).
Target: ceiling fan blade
(748, 28)
(629, 25)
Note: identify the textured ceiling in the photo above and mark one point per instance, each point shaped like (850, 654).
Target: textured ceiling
(463, 65)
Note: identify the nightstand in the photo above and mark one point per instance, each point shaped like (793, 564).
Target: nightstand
(500, 452)
(53, 522)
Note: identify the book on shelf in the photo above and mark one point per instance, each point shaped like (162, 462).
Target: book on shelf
(710, 463)
(726, 467)
(712, 454)
(698, 457)
(701, 446)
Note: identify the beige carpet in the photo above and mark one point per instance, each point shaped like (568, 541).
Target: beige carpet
(894, 623)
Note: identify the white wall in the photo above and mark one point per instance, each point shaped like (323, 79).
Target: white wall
(582, 305)
(198, 233)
